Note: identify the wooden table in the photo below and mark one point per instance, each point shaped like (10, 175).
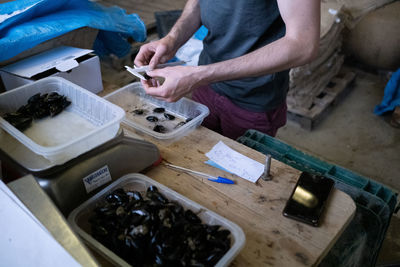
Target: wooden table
(271, 239)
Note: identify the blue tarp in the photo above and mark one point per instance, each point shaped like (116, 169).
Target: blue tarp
(391, 97)
(27, 23)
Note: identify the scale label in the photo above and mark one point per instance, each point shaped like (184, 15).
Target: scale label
(97, 179)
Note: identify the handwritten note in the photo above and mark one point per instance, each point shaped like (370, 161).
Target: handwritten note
(235, 162)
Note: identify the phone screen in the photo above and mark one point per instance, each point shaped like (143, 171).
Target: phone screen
(308, 198)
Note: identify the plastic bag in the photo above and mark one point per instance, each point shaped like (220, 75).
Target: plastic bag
(27, 23)
(191, 50)
(391, 97)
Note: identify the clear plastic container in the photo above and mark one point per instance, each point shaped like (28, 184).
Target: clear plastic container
(88, 122)
(78, 218)
(188, 114)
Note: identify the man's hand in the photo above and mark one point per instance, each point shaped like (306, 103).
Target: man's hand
(161, 51)
(155, 53)
(177, 82)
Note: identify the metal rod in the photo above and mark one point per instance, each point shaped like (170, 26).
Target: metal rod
(266, 175)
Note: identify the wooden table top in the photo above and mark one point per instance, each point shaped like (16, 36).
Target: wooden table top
(271, 239)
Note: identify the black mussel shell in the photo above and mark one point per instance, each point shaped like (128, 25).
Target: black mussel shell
(152, 188)
(38, 106)
(55, 109)
(18, 120)
(159, 110)
(180, 124)
(159, 129)
(152, 231)
(34, 99)
(152, 118)
(146, 76)
(169, 116)
(157, 196)
(138, 111)
(192, 217)
(135, 195)
(52, 97)
(66, 102)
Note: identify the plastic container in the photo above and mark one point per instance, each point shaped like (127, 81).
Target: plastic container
(133, 97)
(304, 162)
(78, 218)
(88, 122)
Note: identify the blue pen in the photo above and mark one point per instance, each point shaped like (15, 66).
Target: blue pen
(218, 179)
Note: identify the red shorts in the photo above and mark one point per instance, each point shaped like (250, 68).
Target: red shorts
(232, 121)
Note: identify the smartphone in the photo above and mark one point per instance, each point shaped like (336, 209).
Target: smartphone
(308, 198)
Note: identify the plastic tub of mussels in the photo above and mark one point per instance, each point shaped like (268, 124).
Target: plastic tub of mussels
(162, 120)
(88, 121)
(83, 218)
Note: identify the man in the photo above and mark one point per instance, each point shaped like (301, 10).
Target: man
(243, 69)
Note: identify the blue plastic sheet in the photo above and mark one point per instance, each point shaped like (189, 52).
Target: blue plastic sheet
(391, 97)
(27, 23)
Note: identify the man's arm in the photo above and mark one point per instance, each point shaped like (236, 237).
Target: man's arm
(298, 46)
(164, 49)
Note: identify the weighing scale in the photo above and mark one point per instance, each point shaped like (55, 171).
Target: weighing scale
(73, 182)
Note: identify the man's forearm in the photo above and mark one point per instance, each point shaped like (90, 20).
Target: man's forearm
(187, 24)
(280, 55)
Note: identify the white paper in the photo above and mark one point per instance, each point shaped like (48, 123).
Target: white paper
(23, 240)
(235, 162)
(97, 179)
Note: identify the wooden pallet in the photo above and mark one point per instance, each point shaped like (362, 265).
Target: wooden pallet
(334, 92)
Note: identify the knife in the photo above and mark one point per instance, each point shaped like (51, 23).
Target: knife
(138, 70)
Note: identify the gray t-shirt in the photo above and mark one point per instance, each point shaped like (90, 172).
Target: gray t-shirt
(235, 28)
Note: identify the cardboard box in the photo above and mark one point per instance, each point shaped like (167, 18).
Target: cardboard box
(77, 65)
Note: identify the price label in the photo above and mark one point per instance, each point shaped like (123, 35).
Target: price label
(97, 179)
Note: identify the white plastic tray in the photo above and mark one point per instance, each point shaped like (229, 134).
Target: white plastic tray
(133, 96)
(88, 122)
(78, 218)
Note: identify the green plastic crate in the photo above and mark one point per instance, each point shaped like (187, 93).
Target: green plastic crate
(304, 162)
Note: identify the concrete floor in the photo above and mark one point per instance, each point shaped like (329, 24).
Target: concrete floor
(353, 137)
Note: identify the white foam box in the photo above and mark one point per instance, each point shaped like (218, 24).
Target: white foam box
(77, 65)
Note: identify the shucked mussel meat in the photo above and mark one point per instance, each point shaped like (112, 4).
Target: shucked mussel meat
(150, 230)
(37, 107)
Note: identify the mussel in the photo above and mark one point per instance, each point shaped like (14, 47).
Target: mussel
(159, 129)
(159, 110)
(169, 116)
(151, 230)
(138, 111)
(152, 118)
(38, 106)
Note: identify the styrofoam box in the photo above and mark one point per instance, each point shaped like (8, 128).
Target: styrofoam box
(76, 65)
(133, 97)
(88, 122)
(78, 218)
